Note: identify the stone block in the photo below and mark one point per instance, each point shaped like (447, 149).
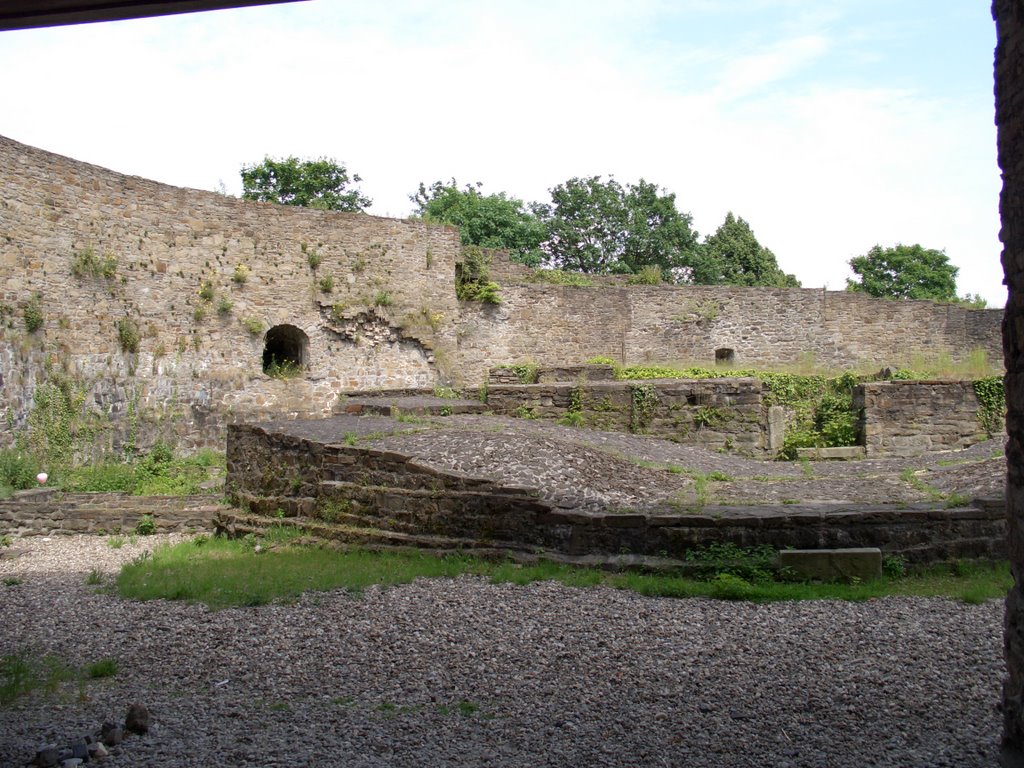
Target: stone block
(842, 452)
(859, 564)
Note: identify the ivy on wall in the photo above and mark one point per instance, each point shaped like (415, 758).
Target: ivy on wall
(991, 404)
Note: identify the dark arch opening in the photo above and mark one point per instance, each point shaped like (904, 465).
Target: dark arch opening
(285, 349)
(725, 356)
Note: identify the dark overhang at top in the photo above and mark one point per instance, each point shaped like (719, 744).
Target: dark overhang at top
(25, 14)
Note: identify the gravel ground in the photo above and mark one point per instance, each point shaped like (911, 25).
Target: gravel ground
(546, 675)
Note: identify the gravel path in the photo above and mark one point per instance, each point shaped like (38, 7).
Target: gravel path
(546, 675)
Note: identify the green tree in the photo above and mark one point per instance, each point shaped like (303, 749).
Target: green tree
(602, 227)
(904, 272)
(489, 221)
(321, 183)
(733, 256)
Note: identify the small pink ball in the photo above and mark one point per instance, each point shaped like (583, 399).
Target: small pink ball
(42, 477)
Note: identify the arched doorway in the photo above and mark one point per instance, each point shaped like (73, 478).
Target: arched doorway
(285, 351)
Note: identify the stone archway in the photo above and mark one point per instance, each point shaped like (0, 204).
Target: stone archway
(285, 346)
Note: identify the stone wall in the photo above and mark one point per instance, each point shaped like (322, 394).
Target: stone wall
(635, 324)
(715, 413)
(378, 497)
(908, 418)
(1009, 76)
(46, 512)
(388, 320)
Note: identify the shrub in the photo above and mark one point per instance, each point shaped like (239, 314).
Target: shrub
(649, 275)
(206, 290)
(314, 259)
(86, 263)
(224, 305)
(382, 299)
(128, 335)
(327, 283)
(240, 275)
(146, 526)
(34, 313)
(472, 280)
(561, 277)
(253, 325)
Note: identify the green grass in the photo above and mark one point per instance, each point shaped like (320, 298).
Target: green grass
(26, 671)
(223, 573)
(102, 668)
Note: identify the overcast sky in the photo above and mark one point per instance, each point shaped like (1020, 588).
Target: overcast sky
(829, 125)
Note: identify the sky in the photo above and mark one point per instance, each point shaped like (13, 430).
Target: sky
(829, 125)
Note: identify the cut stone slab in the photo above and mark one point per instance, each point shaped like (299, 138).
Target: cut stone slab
(844, 452)
(833, 564)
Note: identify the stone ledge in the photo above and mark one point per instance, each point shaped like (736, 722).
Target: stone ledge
(856, 564)
(844, 453)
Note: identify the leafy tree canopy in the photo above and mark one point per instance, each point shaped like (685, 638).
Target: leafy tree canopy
(603, 227)
(489, 221)
(904, 272)
(733, 256)
(322, 183)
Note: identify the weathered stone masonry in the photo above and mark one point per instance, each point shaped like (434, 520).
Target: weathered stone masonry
(1009, 76)
(390, 319)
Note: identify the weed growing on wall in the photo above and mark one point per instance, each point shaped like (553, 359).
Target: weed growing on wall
(253, 325)
(649, 275)
(526, 373)
(560, 277)
(86, 263)
(326, 283)
(224, 305)
(643, 401)
(128, 335)
(33, 314)
(472, 279)
(240, 275)
(991, 404)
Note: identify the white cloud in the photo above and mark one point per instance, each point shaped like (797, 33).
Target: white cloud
(524, 97)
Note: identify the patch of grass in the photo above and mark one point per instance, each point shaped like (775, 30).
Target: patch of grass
(223, 573)
(25, 671)
(115, 542)
(102, 668)
(94, 578)
(12, 581)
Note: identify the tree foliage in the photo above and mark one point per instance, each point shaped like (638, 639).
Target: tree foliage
(733, 256)
(321, 183)
(489, 221)
(904, 272)
(603, 227)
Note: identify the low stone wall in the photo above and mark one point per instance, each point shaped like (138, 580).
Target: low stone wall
(908, 418)
(47, 511)
(715, 413)
(377, 497)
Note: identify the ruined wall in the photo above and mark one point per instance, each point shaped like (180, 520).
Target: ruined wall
(46, 512)
(1009, 75)
(725, 414)
(384, 497)
(163, 332)
(387, 320)
(553, 325)
(908, 418)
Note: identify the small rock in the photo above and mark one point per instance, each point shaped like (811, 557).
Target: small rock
(137, 719)
(111, 734)
(46, 757)
(80, 750)
(97, 751)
